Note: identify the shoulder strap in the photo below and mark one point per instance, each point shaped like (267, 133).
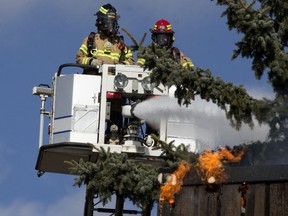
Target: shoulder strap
(121, 46)
(176, 54)
(90, 41)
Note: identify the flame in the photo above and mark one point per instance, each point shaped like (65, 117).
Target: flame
(243, 189)
(211, 164)
(174, 182)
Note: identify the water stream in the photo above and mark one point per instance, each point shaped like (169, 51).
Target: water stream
(202, 121)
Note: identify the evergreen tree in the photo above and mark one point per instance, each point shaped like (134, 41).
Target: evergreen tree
(264, 24)
(115, 173)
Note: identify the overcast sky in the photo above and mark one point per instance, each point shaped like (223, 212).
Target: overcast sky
(37, 36)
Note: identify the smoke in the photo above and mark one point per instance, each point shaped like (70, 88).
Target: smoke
(203, 121)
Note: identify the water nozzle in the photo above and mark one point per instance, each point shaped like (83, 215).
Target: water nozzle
(128, 111)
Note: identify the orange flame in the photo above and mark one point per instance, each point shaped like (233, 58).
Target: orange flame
(243, 188)
(173, 184)
(211, 164)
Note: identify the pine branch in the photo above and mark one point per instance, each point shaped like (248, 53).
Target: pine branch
(115, 173)
(136, 45)
(189, 82)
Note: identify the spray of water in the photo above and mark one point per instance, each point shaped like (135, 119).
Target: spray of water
(203, 121)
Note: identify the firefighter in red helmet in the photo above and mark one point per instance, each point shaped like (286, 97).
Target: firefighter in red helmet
(163, 36)
(162, 33)
(105, 46)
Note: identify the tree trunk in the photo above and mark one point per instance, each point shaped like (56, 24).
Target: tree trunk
(147, 208)
(89, 204)
(119, 205)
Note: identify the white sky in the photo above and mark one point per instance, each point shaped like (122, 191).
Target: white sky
(37, 36)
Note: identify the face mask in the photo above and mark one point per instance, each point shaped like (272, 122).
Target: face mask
(162, 39)
(108, 26)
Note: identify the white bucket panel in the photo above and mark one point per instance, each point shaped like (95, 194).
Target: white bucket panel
(76, 108)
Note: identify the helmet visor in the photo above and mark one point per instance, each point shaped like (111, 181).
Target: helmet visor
(162, 39)
(109, 26)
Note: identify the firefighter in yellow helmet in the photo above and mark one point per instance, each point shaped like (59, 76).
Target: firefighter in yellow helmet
(163, 36)
(106, 46)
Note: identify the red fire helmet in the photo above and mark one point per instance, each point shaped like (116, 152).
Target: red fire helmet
(162, 26)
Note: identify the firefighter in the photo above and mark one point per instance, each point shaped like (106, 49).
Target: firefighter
(106, 46)
(163, 36)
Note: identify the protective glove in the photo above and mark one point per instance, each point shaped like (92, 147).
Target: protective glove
(96, 62)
